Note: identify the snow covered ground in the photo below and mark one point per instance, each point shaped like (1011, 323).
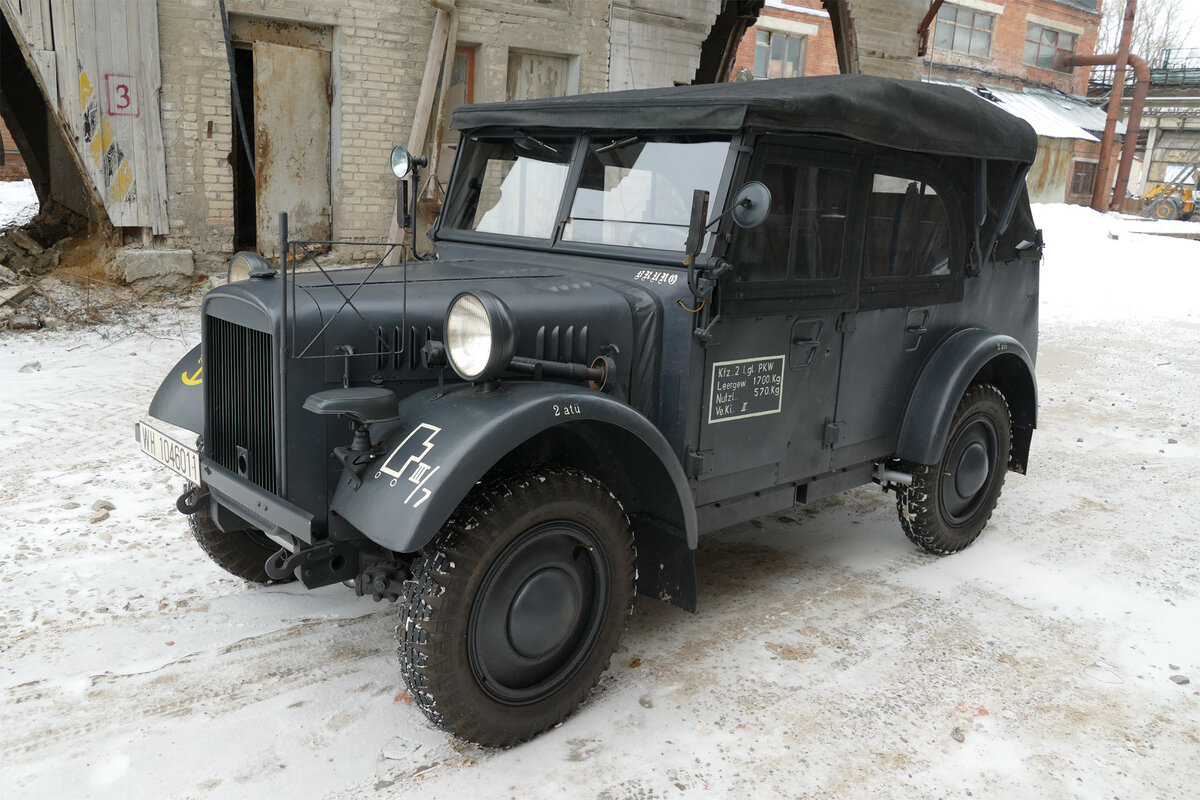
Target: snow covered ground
(18, 203)
(829, 658)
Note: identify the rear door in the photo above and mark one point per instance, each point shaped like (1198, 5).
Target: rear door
(771, 372)
(912, 275)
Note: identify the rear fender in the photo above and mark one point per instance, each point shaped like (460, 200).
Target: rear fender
(445, 444)
(965, 357)
(180, 397)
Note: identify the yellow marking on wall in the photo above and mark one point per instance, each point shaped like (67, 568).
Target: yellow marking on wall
(106, 134)
(86, 90)
(121, 182)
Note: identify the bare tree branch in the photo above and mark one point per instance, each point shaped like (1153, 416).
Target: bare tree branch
(1158, 27)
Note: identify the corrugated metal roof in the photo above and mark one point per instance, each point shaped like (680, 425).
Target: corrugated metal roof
(1052, 114)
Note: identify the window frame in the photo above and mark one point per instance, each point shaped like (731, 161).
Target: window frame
(771, 34)
(788, 295)
(917, 290)
(955, 25)
(1040, 45)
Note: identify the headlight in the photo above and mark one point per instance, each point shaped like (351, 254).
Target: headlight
(245, 265)
(480, 336)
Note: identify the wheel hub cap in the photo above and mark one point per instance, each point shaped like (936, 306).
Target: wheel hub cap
(544, 613)
(972, 470)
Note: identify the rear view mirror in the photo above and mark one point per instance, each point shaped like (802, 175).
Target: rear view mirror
(751, 204)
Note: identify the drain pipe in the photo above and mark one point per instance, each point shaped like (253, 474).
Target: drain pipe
(1132, 128)
(434, 60)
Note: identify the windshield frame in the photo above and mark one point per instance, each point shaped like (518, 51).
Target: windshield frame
(442, 231)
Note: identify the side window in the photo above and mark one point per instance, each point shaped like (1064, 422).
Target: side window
(908, 232)
(803, 237)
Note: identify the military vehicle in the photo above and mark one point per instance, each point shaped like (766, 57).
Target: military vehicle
(645, 316)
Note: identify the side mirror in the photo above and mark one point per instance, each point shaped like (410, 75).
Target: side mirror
(751, 204)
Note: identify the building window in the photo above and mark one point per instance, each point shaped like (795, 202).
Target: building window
(1043, 44)
(535, 76)
(1083, 177)
(777, 55)
(964, 31)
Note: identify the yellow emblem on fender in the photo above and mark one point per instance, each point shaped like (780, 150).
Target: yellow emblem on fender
(194, 379)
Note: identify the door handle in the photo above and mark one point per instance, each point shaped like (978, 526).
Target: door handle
(917, 330)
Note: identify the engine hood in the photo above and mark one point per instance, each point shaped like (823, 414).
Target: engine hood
(386, 315)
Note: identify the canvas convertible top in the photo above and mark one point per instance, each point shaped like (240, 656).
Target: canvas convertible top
(908, 115)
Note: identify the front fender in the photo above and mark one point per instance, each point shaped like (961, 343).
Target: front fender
(954, 365)
(445, 443)
(180, 397)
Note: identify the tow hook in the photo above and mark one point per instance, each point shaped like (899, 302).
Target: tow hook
(888, 478)
(322, 565)
(190, 501)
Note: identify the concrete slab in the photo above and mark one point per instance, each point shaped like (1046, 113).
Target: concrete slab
(138, 264)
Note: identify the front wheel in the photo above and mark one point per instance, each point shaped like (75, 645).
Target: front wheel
(950, 502)
(515, 608)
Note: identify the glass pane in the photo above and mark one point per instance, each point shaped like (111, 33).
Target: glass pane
(510, 186)
(1049, 36)
(1045, 59)
(1066, 41)
(984, 21)
(946, 13)
(908, 234)
(980, 42)
(794, 45)
(639, 193)
(760, 59)
(962, 39)
(805, 227)
(1030, 56)
(943, 35)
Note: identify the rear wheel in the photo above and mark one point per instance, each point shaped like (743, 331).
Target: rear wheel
(514, 610)
(950, 503)
(240, 553)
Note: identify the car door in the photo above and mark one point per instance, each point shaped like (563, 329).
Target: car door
(914, 249)
(770, 372)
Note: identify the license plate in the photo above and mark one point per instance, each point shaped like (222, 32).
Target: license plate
(169, 452)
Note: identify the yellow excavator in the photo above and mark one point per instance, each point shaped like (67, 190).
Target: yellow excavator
(1174, 200)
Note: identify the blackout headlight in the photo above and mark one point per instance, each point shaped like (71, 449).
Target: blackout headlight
(481, 336)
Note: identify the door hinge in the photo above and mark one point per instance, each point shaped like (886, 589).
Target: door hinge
(693, 461)
(847, 322)
(833, 432)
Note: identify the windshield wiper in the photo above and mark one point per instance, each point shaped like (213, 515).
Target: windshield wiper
(526, 142)
(617, 144)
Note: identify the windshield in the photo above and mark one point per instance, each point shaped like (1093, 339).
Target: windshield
(511, 186)
(632, 192)
(637, 192)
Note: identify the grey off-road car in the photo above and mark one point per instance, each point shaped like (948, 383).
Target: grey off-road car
(647, 315)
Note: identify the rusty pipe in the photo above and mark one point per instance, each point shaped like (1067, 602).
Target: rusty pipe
(1118, 61)
(1133, 127)
(923, 28)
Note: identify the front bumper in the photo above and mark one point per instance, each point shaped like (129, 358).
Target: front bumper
(257, 506)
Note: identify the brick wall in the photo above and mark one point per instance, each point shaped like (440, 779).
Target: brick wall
(12, 166)
(1003, 64)
(800, 18)
(378, 59)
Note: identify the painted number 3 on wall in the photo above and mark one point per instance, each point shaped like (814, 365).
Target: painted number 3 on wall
(122, 95)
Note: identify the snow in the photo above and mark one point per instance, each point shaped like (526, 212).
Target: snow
(829, 657)
(18, 203)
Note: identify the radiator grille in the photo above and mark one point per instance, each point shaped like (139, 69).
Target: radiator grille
(241, 374)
